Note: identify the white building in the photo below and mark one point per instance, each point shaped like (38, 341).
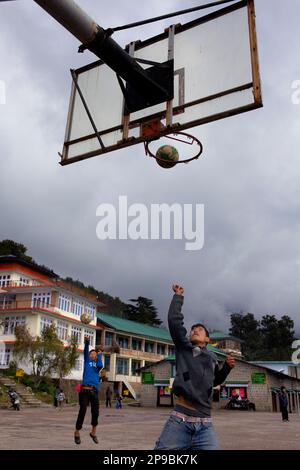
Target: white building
(33, 295)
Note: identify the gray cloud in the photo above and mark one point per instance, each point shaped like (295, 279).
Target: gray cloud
(248, 178)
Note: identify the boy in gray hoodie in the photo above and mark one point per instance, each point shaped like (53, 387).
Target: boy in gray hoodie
(197, 372)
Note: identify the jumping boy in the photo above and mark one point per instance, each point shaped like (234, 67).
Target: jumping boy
(89, 390)
(197, 372)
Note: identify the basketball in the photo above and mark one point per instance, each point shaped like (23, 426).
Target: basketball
(85, 318)
(169, 154)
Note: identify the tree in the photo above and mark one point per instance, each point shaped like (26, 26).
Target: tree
(246, 328)
(46, 353)
(65, 358)
(268, 339)
(278, 336)
(10, 247)
(143, 312)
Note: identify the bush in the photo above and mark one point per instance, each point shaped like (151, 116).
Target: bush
(46, 385)
(11, 371)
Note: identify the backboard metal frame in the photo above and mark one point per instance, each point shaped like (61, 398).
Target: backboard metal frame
(170, 112)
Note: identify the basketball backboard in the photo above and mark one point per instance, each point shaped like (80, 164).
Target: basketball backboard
(214, 75)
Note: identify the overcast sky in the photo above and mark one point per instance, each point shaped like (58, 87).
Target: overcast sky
(248, 179)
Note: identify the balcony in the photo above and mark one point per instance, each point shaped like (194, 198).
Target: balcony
(7, 305)
(8, 285)
(53, 283)
(141, 354)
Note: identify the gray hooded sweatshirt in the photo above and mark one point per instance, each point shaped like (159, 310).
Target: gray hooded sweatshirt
(197, 369)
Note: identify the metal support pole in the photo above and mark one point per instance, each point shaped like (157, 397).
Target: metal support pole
(98, 41)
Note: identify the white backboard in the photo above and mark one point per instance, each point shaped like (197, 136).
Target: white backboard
(216, 75)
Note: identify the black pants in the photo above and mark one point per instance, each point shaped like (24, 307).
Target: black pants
(108, 402)
(86, 397)
(284, 413)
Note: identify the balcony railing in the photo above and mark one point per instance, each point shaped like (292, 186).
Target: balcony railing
(6, 304)
(31, 283)
(141, 354)
(10, 284)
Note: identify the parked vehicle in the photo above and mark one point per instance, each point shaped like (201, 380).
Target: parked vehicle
(14, 399)
(236, 403)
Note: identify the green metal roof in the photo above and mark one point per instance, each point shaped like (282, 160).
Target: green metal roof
(221, 335)
(135, 328)
(209, 347)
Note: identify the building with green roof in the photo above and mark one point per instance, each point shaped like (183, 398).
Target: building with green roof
(140, 345)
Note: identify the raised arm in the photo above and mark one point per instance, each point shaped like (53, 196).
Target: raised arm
(86, 348)
(221, 374)
(175, 319)
(99, 361)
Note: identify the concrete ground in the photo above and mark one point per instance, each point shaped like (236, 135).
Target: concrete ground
(138, 428)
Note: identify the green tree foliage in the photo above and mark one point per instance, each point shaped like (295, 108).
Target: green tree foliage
(143, 311)
(10, 247)
(267, 339)
(46, 354)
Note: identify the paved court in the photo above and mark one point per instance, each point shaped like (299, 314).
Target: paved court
(138, 428)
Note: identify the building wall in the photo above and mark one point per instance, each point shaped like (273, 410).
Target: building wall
(260, 394)
(149, 392)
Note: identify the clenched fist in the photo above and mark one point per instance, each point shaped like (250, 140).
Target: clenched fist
(230, 361)
(179, 290)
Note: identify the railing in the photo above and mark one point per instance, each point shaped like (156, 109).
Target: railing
(35, 304)
(51, 283)
(31, 283)
(140, 354)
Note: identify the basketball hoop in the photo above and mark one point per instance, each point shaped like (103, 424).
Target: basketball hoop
(180, 137)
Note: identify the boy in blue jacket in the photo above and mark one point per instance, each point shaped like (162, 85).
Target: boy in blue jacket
(89, 390)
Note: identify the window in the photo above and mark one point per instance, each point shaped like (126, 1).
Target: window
(62, 330)
(4, 280)
(91, 310)
(24, 281)
(123, 342)
(106, 362)
(122, 366)
(7, 302)
(5, 357)
(161, 349)
(108, 338)
(11, 323)
(41, 299)
(45, 323)
(136, 344)
(76, 332)
(171, 351)
(134, 366)
(64, 302)
(78, 364)
(149, 347)
(91, 335)
(77, 307)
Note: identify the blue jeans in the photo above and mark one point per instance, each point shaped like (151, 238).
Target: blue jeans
(179, 434)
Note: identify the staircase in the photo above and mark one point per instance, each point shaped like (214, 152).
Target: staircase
(27, 398)
(134, 388)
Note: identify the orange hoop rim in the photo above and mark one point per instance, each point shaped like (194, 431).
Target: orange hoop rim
(193, 139)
